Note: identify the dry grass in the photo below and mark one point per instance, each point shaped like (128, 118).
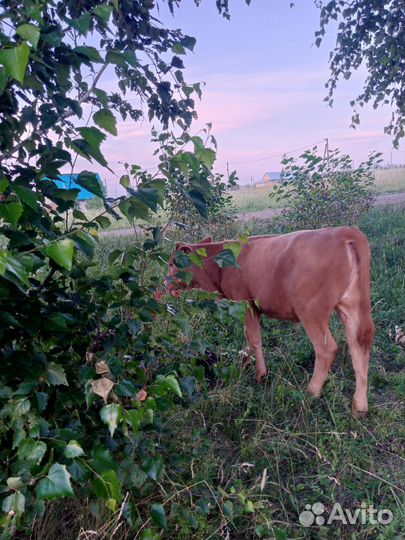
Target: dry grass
(390, 180)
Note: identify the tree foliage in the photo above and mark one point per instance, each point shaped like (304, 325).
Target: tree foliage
(370, 32)
(90, 359)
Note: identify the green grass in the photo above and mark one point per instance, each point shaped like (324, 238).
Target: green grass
(271, 449)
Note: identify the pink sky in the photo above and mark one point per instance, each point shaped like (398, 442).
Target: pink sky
(263, 93)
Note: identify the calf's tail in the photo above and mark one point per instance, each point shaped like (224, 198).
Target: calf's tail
(366, 329)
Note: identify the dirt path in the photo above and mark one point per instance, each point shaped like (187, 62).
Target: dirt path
(381, 200)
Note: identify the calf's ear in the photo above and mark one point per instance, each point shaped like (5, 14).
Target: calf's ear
(181, 246)
(206, 240)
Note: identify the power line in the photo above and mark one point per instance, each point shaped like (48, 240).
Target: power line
(278, 155)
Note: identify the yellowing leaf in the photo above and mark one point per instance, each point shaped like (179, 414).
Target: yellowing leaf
(142, 395)
(102, 367)
(102, 387)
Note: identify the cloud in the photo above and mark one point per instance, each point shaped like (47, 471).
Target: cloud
(236, 101)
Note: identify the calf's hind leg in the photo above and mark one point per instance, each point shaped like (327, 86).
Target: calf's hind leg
(325, 352)
(358, 326)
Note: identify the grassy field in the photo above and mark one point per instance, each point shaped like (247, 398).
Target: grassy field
(255, 199)
(266, 451)
(390, 180)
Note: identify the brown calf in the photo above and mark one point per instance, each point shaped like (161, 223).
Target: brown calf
(302, 277)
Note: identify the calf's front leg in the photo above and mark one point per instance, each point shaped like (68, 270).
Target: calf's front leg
(254, 339)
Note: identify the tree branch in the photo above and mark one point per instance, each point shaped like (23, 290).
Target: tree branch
(66, 114)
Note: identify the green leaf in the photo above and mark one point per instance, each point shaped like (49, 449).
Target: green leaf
(31, 451)
(21, 406)
(154, 467)
(56, 484)
(112, 416)
(61, 252)
(228, 509)
(29, 32)
(134, 418)
(130, 58)
(88, 180)
(170, 383)
(178, 48)
(105, 119)
(124, 181)
(11, 212)
(55, 374)
(103, 221)
(103, 11)
(15, 61)
(107, 485)
(73, 450)
(158, 515)
(207, 156)
(93, 136)
(3, 261)
(196, 259)
(149, 534)
(3, 84)
(27, 196)
(116, 57)
(14, 503)
(235, 247)
(82, 23)
(226, 259)
(16, 268)
(90, 52)
(188, 42)
(182, 259)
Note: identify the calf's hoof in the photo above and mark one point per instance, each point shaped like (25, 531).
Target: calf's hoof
(358, 414)
(313, 391)
(261, 375)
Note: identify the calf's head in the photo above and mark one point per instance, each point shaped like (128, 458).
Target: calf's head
(204, 278)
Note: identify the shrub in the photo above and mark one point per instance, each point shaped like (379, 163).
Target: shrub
(324, 191)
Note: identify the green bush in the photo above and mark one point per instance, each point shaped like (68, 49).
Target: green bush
(324, 191)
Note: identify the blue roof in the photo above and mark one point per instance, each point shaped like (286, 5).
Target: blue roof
(67, 181)
(274, 175)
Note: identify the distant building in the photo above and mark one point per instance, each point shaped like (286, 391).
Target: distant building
(269, 178)
(68, 181)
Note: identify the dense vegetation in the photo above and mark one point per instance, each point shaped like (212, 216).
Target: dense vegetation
(108, 397)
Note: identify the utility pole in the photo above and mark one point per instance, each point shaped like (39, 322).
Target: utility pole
(326, 150)
(227, 170)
